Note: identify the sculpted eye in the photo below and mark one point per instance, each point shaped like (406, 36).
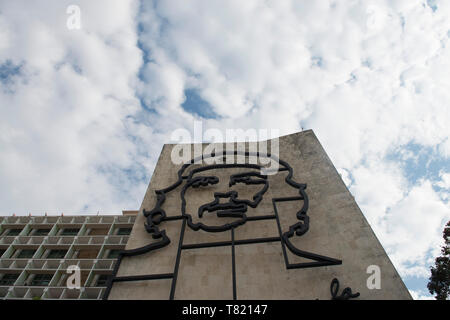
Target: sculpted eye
(204, 181)
(248, 178)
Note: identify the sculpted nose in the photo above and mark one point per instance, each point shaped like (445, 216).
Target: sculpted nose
(231, 195)
(226, 209)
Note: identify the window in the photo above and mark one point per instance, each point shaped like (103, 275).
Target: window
(98, 232)
(2, 252)
(41, 232)
(14, 232)
(26, 253)
(8, 279)
(101, 281)
(41, 280)
(124, 231)
(55, 254)
(70, 232)
(87, 253)
(113, 254)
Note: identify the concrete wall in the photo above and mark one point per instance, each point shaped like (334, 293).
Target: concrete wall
(338, 229)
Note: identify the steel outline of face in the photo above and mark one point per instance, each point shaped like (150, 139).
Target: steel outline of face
(236, 207)
(155, 216)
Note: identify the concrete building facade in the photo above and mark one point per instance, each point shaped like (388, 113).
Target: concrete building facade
(213, 231)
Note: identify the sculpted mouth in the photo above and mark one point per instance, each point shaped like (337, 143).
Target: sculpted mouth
(231, 208)
(223, 210)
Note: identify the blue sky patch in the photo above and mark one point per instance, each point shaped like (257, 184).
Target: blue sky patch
(416, 283)
(432, 4)
(8, 71)
(317, 61)
(419, 162)
(195, 104)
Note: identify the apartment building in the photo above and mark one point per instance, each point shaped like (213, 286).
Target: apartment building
(38, 254)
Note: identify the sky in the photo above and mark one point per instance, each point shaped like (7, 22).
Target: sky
(84, 112)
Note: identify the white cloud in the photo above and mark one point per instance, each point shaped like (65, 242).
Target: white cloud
(413, 229)
(444, 184)
(63, 134)
(444, 148)
(445, 180)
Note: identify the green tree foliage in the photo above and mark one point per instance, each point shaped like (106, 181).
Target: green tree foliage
(439, 283)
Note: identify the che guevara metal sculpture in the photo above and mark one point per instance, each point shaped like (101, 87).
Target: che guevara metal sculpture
(235, 208)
